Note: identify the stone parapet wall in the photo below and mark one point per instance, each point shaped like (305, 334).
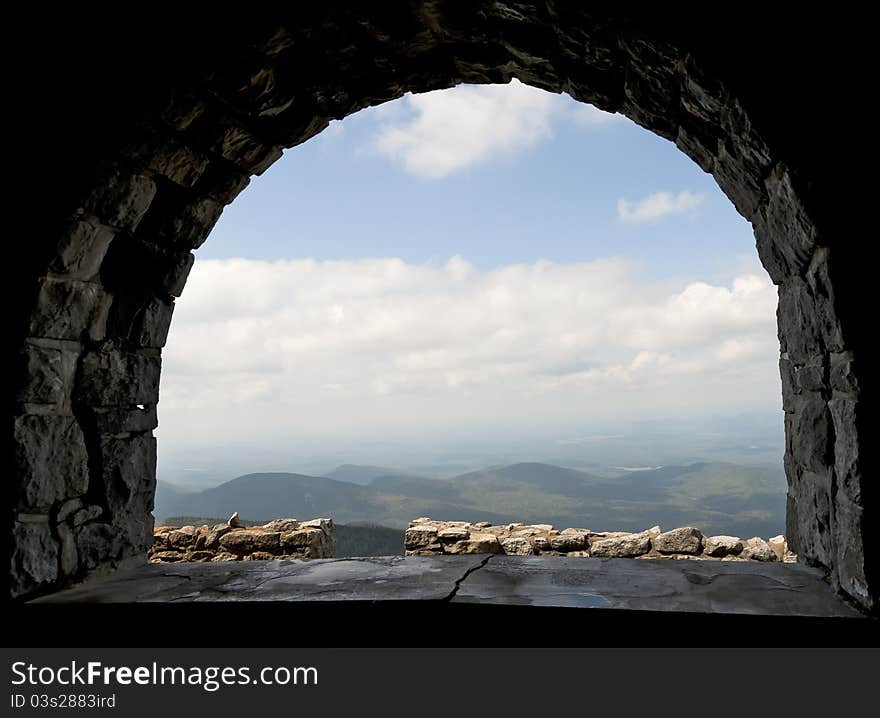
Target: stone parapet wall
(278, 539)
(426, 537)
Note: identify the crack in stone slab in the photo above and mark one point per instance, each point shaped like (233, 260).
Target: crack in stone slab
(462, 579)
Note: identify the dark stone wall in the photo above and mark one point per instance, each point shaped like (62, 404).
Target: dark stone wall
(139, 133)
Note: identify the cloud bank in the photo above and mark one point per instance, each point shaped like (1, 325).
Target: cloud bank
(379, 346)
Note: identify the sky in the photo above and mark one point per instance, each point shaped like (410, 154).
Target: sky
(482, 261)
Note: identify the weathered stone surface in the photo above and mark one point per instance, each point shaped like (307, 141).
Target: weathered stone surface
(517, 547)
(452, 534)
(45, 374)
(779, 546)
(116, 377)
(69, 309)
(86, 514)
(212, 540)
(786, 235)
(35, 557)
(247, 541)
(703, 587)
(140, 319)
(99, 544)
(283, 525)
(845, 413)
(476, 543)
(621, 546)
(51, 463)
(419, 536)
(569, 542)
(113, 421)
(122, 199)
(758, 549)
(719, 546)
(81, 250)
(682, 540)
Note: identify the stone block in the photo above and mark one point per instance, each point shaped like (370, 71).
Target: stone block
(517, 546)
(115, 377)
(141, 320)
(681, 540)
(45, 374)
(785, 232)
(626, 546)
(113, 421)
(81, 250)
(69, 309)
(129, 475)
(843, 374)
(757, 549)
(809, 432)
(419, 536)
(122, 199)
(34, 561)
(51, 463)
(845, 413)
(246, 541)
(718, 546)
(851, 537)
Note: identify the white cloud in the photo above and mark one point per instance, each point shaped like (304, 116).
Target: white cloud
(657, 206)
(437, 133)
(372, 346)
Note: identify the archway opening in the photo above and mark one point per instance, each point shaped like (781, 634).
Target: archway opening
(485, 303)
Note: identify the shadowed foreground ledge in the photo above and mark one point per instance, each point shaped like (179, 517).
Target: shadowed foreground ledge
(664, 585)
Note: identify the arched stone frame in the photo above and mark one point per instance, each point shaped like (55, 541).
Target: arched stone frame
(99, 311)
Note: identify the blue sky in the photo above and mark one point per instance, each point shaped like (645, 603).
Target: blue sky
(337, 197)
(477, 260)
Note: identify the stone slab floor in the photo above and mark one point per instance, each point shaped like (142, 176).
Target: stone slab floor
(661, 585)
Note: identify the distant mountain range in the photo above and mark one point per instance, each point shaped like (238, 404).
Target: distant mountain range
(716, 497)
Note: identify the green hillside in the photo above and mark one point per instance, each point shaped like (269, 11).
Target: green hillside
(717, 497)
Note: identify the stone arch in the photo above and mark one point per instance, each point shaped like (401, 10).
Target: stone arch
(101, 288)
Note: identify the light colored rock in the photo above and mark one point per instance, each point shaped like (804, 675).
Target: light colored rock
(569, 542)
(720, 546)
(477, 543)
(282, 525)
(527, 531)
(246, 541)
(625, 546)
(686, 540)
(325, 524)
(575, 532)
(517, 546)
(542, 527)
(779, 546)
(482, 525)
(757, 549)
(419, 536)
(541, 544)
(212, 540)
(451, 534)
(233, 522)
